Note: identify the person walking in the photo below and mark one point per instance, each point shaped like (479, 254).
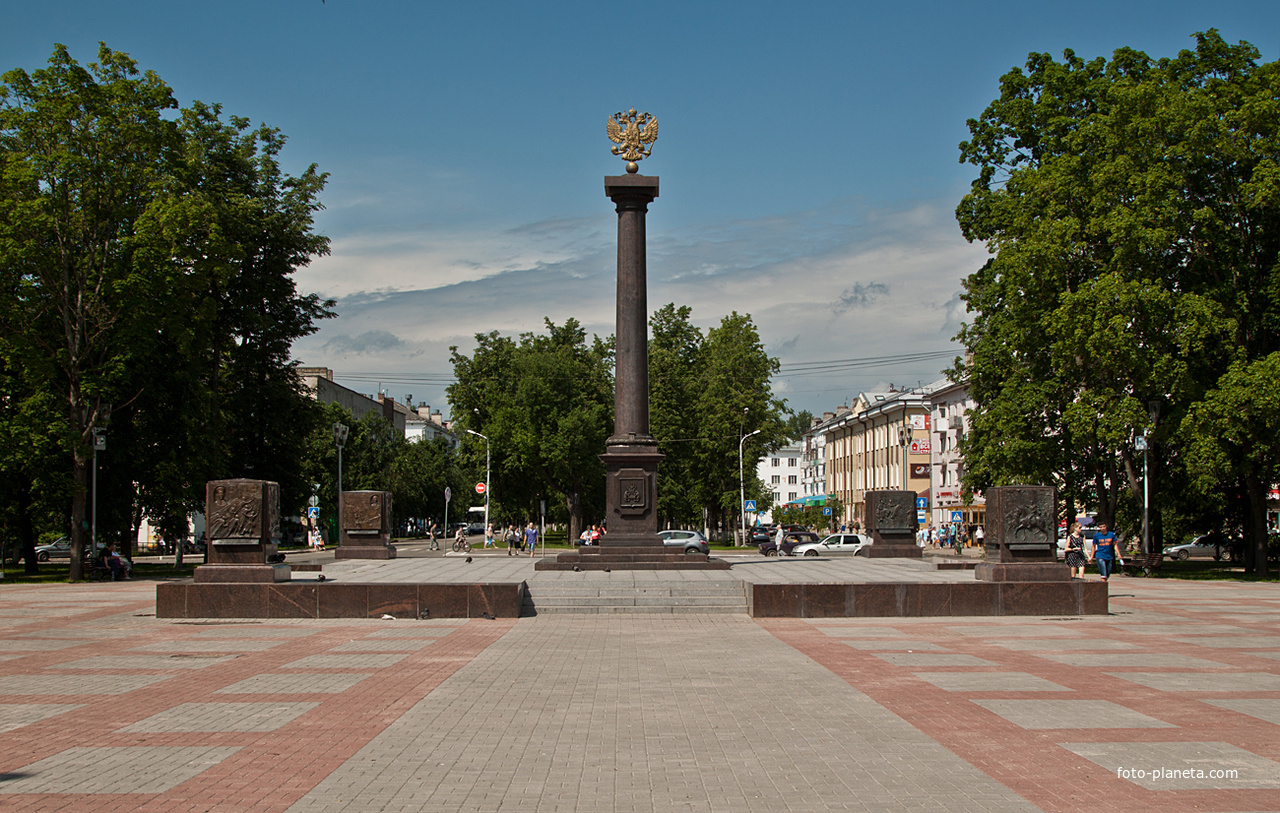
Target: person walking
(1075, 552)
(531, 538)
(1104, 551)
(488, 536)
(433, 532)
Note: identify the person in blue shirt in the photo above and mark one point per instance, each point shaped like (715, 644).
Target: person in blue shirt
(1104, 550)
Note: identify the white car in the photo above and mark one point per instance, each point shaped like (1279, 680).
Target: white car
(834, 545)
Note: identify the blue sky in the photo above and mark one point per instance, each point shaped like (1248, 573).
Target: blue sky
(807, 155)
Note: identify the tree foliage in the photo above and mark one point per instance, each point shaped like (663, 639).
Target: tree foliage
(545, 403)
(147, 261)
(707, 393)
(1132, 210)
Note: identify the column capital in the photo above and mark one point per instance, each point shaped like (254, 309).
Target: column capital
(640, 188)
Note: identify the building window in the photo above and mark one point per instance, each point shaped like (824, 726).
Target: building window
(791, 480)
(775, 480)
(776, 496)
(773, 461)
(791, 462)
(791, 496)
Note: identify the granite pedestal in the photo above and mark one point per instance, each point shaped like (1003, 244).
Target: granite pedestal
(1021, 543)
(366, 526)
(891, 524)
(242, 524)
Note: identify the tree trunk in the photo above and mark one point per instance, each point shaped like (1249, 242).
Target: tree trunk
(26, 530)
(1256, 528)
(573, 502)
(79, 473)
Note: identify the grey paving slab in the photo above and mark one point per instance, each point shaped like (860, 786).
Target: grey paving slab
(1182, 765)
(353, 661)
(174, 661)
(1062, 644)
(606, 732)
(38, 645)
(16, 715)
(385, 645)
(75, 684)
(1135, 659)
(141, 769)
(1261, 707)
(1013, 630)
(295, 683)
(1275, 656)
(205, 717)
(1236, 641)
(990, 682)
(1185, 629)
(202, 646)
(1053, 714)
(1204, 681)
(844, 630)
(904, 644)
(252, 630)
(912, 659)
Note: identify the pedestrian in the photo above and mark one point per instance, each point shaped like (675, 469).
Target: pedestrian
(1075, 552)
(979, 537)
(531, 538)
(512, 539)
(488, 536)
(433, 532)
(1104, 551)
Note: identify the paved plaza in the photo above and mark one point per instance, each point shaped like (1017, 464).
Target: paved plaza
(1171, 703)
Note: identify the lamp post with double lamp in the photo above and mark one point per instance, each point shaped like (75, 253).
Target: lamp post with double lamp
(340, 439)
(487, 486)
(742, 491)
(904, 437)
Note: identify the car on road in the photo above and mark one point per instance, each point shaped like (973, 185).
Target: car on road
(1202, 547)
(833, 545)
(790, 541)
(60, 549)
(690, 541)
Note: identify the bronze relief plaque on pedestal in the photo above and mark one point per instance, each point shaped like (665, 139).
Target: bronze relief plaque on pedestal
(366, 517)
(1024, 526)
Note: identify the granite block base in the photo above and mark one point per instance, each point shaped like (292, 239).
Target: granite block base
(242, 574)
(927, 599)
(365, 552)
(188, 599)
(879, 550)
(638, 557)
(1022, 572)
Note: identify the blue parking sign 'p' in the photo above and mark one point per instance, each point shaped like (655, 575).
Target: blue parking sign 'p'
(749, 505)
(826, 511)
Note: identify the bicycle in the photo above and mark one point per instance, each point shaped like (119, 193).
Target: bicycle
(461, 546)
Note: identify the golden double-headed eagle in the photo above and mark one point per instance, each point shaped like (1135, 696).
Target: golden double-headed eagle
(631, 133)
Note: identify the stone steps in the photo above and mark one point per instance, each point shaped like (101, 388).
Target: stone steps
(693, 598)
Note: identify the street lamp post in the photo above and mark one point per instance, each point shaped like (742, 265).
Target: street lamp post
(904, 437)
(487, 486)
(340, 439)
(742, 491)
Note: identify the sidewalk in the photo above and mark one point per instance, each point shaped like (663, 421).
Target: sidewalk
(107, 708)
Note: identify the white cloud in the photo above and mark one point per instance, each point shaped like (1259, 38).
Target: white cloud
(843, 282)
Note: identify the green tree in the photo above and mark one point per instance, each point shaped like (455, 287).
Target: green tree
(707, 393)
(148, 264)
(546, 404)
(1130, 206)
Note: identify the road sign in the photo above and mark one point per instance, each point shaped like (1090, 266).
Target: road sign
(479, 488)
(313, 501)
(749, 505)
(826, 510)
(447, 494)
(920, 517)
(957, 516)
(313, 512)
(922, 502)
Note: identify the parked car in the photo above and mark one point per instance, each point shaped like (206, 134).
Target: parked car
(58, 549)
(833, 545)
(691, 541)
(1202, 547)
(790, 541)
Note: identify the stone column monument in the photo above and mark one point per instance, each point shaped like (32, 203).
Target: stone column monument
(631, 454)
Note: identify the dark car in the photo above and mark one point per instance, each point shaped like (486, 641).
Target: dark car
(790, 541)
